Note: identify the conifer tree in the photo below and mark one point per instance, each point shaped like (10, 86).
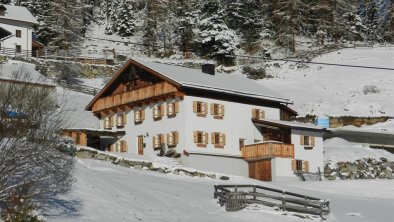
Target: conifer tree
(215, 38)
(371, 21)
(65, 21)
(124, 19)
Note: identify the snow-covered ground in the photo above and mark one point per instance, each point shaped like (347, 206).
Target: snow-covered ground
(73, 103)
(338, 91)
(106, 192)
(340, 150)
(386, 127)
(95, 46)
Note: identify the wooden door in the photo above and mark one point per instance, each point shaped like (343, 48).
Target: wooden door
(140, 145)
(260, 170)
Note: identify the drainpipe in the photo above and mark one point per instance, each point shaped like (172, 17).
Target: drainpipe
(27, 38)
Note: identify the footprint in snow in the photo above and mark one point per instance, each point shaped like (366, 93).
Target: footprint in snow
(355, 214)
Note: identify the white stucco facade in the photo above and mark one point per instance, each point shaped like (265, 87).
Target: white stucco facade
(236, 124)
(215, 118)
(314, 155)
(17, 21)
(24, 41)
(150, 127)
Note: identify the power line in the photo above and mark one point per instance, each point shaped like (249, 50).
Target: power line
(318, 63)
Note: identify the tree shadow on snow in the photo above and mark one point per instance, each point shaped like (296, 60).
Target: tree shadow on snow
(58, 207)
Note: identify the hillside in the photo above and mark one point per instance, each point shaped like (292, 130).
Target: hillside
(336, 90)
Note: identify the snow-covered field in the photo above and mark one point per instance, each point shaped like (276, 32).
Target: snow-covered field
(338, 91)
(340, 150)
(106, 192)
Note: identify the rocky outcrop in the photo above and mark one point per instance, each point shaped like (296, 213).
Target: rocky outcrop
(143, 165)
(360, 169)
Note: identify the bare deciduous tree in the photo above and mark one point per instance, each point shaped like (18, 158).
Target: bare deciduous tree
(30, 145)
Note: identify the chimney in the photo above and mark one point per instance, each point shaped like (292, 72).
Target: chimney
(2, 10)
(208, 69)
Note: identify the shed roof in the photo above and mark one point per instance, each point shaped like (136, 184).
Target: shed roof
(288, 124)
(18, 13)
(4, 33)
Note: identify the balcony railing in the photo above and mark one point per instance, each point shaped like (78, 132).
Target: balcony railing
(268, 149)
(137, 95)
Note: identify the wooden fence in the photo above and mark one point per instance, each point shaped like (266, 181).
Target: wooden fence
(79, 88)
(80, 59)
(268, 150)
(12, 52)
(254, 194)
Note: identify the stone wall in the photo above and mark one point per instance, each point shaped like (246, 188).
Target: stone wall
(360, 169)
(342, 121)
(143, 165)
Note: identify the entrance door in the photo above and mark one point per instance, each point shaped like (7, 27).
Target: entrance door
(260, 170)
(140, 145)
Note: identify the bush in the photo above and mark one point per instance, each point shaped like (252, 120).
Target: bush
(255, 73)
(67, 71)
(19, 207)
(371, 89)
(67, 146)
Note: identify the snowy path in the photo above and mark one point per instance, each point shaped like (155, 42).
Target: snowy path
(105, 192)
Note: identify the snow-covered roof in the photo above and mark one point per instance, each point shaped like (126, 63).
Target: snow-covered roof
(288, 124)
(220, 82)
(18, 13)
(182, 77)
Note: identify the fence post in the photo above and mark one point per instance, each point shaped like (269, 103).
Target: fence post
(306, 201)
(254, 191)
(284, 200)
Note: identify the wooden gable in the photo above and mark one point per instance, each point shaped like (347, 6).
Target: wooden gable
(133, 82)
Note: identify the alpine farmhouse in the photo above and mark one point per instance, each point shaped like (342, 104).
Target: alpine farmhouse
(16, 31)
(214, 121)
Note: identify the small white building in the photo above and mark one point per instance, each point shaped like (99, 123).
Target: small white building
(215, 121)
(16, 31)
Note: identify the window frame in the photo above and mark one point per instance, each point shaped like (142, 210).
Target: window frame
(18, 33)
(201, 139)
(200, 108)
(18, 48)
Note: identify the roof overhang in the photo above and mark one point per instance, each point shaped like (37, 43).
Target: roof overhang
(181, 86)
(120, 71)
(287, 125)
(4, 34)
(96, 132)
(237, 93)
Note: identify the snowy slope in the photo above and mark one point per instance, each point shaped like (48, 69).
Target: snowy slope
(338, 91)
(72, 103)
(105, 192)
(340, 150)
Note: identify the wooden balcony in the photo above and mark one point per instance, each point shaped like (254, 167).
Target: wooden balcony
(113, 101)
(269, 149)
